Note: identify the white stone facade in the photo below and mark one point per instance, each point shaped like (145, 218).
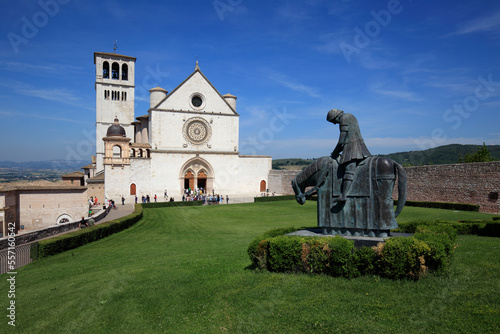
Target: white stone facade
(115, 95)
(187, 139)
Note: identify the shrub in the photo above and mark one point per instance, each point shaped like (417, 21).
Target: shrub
(490, 230)
(366, 261)
(429, 250)
(479, 227)
(442, 205)
(79, 238)
(284, 253)
(255, 254)
(404, 258)
(441, 247)
(340, 262)
(274, 198)
(315, 255)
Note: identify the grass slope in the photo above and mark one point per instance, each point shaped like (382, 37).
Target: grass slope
(185, 270)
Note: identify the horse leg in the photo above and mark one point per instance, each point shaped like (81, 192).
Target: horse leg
(299, 195)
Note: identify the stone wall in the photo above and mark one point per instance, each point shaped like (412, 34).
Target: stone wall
(49, 231)
(473, 183)
(280, 181)
(39, 208)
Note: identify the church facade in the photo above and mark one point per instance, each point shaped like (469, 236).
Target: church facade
(188, 139)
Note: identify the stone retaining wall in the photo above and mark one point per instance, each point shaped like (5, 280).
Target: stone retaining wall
(280, 181)
(472, 183)
(46, 232)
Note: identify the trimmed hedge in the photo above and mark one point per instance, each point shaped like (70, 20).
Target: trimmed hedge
(170, 204)
(84, 236)
(274, 198)
(429, 250)
(442, 205)
(480, 227)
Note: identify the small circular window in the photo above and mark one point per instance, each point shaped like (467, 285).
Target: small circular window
(196, 101)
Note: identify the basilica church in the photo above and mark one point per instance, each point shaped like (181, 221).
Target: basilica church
(187, 139)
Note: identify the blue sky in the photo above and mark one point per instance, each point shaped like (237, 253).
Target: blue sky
(416, 74)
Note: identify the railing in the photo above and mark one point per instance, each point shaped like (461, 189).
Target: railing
(14, 257)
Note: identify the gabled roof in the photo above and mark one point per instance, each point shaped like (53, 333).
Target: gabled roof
(38, 185)
(197, 69)
(73, 174)
(142, 117)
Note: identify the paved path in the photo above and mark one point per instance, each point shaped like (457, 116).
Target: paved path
(121, 211)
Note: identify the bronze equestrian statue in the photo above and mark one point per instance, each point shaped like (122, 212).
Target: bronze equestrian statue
(354, 189)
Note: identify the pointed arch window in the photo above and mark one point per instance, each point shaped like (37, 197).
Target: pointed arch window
(115, 71)
(124, 72)
(105, 70)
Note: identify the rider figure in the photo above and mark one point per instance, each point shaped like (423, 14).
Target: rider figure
(351, 144)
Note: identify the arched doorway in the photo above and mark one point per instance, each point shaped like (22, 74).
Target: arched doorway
(202, 180)
(64, 218)
(263, 186)
(133, 189)
(189, 180)
(196, 173)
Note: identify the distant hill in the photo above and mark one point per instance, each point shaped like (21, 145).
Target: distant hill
(45, 165)
(447, 154)
(291, 164)
(11, 171)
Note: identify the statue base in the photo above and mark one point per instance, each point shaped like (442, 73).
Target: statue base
(347, 232)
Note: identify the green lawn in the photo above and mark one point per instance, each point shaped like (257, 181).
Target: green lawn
(186, 270)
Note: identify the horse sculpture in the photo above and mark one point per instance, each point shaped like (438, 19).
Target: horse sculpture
(368, 209)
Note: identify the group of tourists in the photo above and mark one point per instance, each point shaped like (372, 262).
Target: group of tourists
(93, 201)
(207, 199)
(147, 199)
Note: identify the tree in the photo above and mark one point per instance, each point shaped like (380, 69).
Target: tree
(481, 155)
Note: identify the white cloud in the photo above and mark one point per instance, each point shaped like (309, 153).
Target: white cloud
(394, 89)
(485, 23)
(291, 83)
(39, 116)
(60, 95)
(400, 94)
(36, 68)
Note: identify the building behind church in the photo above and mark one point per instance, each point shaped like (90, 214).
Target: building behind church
(187, 139)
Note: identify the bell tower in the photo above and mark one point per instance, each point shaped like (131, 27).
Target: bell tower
(115, 91)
